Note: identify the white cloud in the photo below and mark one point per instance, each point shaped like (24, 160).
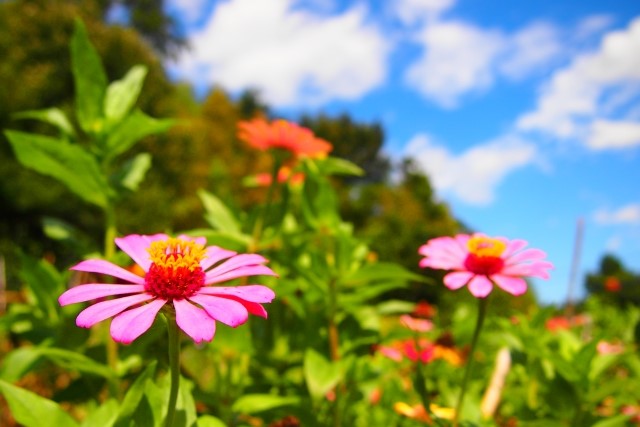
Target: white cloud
(574, 101)
(531, 48)
(412, 11)
(471, 176)
(629, 214)
(292, 56)
(458, 59)
(613, 134)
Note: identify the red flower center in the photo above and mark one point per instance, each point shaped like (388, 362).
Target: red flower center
(486, 265)
(175, 271)
(485, 255)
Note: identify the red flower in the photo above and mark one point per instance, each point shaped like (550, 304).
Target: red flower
(612, 284)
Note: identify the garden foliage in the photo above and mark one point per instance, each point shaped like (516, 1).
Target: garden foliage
(339, 347)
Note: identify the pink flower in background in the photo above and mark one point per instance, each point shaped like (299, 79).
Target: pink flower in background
(179, 272)
(480, 262)
(416, 324)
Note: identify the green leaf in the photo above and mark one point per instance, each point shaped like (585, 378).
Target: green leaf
(217, 213)
(31, 410)
(134, 394)
(104, 416)
(52, 116)
(45, 284)
(617, 421)
(381, 271)
(69, 164)
(210, 421)
(133, 128)
(90, 80)
(321, 374)
(254, 403)
(74, 361)
(18, 362)
(395, 307)
(122, 94)
(338, 166)
(133, 172)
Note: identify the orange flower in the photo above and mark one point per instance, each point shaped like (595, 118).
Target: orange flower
(282, 134)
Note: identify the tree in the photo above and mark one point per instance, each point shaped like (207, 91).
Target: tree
(359, 143)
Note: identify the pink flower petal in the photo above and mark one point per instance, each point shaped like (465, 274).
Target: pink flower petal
(253, 293)
(214, 255)
(514, 246)
(136, 247)
(105, 267)
(91, 291)
(199, 240)
(254, 308)
(105, 309)
(536, 269)
(227, 311)
(129, 325)
(194, 321)
(212, 276)
(457, 279)
(242, 260)
(480, 286)
(514, 285)
(526, 255)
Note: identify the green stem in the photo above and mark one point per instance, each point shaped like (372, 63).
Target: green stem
(110, 233)
(482, 310)
(259, 224)
(174, 365)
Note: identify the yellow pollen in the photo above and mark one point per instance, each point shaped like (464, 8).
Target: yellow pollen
(176, 253)
(486, 246)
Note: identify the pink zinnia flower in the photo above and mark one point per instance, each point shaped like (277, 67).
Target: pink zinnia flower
(480, 262)
(179, 272)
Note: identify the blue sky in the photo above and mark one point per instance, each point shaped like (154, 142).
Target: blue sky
(525, 115)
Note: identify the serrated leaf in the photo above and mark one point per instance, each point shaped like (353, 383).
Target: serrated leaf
(320, 373)
(68, 163)
(254, 403)
(122, 94)
(218, 214)
(31, 410)
(52, 116)
(132, 129)
(133, 171)
(90, 80)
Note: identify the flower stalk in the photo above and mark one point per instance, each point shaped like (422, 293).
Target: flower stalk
(174, 366)
(482, 311)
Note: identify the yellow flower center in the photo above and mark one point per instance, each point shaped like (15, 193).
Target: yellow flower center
(486, 247)
(175, 270)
